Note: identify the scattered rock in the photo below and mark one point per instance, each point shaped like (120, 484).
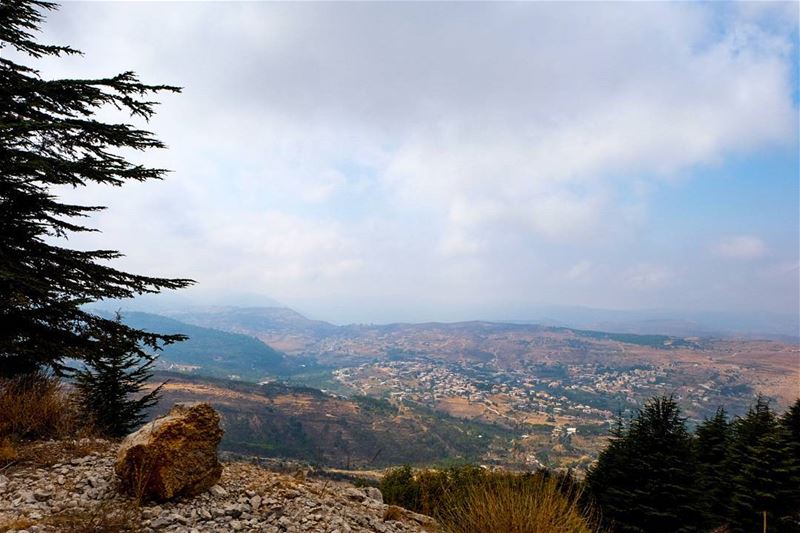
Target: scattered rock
(161, 522)
(373, 493)
(255, 502)
(175, 455)
(353, 493)
(246, 498)
(233, 510)
(42, 495)
(218, 491)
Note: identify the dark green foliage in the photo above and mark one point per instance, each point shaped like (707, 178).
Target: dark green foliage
(399, 487)
(790, 436)
(50, 138)
(375, 405)
(430, 491)
(790, 421)
(711, 447)
(218, 353)
(645, 480)
(653, 341)
(654, 476)
(760, 471)
(111, 383)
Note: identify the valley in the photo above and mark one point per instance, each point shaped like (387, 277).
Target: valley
(514, 395)
(306, 424)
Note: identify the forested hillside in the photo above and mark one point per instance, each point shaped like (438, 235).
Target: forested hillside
(209, 351)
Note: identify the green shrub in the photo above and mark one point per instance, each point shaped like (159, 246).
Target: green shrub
(400, 488)
(473, 499)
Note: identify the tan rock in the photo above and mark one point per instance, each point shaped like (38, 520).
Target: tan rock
(175, 455)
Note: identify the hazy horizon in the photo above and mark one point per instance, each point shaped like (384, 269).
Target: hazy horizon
(402, 161)
(709, 323)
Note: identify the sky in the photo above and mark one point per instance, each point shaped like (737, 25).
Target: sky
(377, 162)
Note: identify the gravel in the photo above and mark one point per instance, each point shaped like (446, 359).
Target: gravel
(247, 498)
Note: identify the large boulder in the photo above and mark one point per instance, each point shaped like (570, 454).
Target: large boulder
(175, 455)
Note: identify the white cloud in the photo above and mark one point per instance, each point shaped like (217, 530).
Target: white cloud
(649, 277)
(741, 247)
(447, 149)
(580, 271)
(321, 190)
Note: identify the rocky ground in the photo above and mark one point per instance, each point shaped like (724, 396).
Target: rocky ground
(73, 488)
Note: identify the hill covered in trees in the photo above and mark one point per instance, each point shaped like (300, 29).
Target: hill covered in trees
(211, 352)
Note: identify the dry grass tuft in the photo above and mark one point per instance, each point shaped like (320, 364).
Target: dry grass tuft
(16, 524)
(36, 407)
(48, 453)
(287, 483)
(8, 452)
(110, 516)
(505, 504)
(142, 475)
(393, 512)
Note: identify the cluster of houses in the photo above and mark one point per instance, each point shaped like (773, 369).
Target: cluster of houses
(588, 392)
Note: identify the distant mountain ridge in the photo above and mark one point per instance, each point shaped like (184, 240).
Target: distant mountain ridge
(280, 327)
(326, 344)
(213, 351)
(284, 322)
(275, 342)
(728, 324)
(766, 325)
(252, 320)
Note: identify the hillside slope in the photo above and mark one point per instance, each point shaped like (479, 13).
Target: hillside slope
(303, 423)
(281, 327)
(477, 340)
(211, 351)
(703, 370)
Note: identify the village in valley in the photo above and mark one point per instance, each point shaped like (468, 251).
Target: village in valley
(560, 414)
